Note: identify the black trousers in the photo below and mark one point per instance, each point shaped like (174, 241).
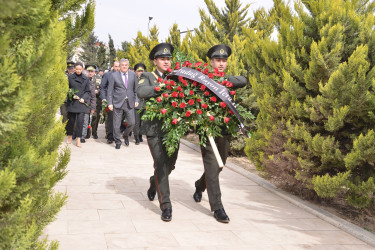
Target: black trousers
(95, 122)
(72, 119)
(109, 125)
(163, 166)
(210, 177)
(138, 121)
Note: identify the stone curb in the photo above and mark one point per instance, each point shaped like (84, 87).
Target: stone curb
(344, 225)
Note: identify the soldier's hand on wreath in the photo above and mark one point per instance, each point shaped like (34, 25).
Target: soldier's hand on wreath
(110, 107)
(81, 100)
(76, 97)
(136, 104)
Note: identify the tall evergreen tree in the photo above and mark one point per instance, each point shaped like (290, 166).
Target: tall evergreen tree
(90, 50)
(79, 19)
(112, 50)
(32, 39)
(102, 56)
(125, 46)
(315, 87)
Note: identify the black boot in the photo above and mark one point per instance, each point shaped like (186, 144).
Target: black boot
(151, 192)
(140, 138)
(221, 216)
(197, 195)
(167, 214)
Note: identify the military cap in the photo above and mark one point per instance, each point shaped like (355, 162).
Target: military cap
(219, 51)
(161, 50)
(70, 65)
(139, 66)
(90, 67)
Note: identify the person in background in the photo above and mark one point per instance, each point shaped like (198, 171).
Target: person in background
(122, 98)
(138, 111)
(76, 107)
(103, 96)
(92, 104)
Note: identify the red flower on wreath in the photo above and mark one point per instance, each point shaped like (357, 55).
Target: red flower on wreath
(223, 104)
(212, 118)
(229, 85)
(213, 99)
(174, 94)
(163, 111)
(197, 64)
(182, 105)
(177, 65)
(165, 95)
(158, 99)
(184, 82)
(233, 92)
(206, 93)
(174, 121)
(204, 105)
(172, 83)
(203, 87)
(181, 95)
(188, 113)
(160, 79)
(210, 75)
(169, 70)
(226, 119)
(199, 112)
(191, 102)
(157, 88)
(205, 65)
(174, 104)
(169, 87)
(191, 92)
(199, 100)
(179, 88)
(231, 112)
(195, 83)
(180, 78)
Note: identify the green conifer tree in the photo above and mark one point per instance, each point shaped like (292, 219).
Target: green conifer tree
(112, 50)
(102, 56)
(33, 86)
(90, 50)
(315, 89)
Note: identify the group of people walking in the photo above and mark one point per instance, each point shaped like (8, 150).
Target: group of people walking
(125, 91)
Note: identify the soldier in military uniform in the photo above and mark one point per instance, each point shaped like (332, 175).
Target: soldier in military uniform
(96, 116)
(139, 69)
(92, 104)
(63, 111)
(218, 55)
(163, 165)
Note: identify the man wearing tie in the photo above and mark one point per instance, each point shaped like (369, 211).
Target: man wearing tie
(122, 98)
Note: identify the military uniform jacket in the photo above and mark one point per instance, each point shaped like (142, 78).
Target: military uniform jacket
(146, 90)
(82, 84)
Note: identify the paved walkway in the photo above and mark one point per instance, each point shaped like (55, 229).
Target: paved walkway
(108, 208)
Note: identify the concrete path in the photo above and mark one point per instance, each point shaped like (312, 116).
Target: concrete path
(108, 208)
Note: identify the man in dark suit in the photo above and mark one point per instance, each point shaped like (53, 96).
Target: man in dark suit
(103, 96)
(163, 165)
(219, 55)
(122, 98)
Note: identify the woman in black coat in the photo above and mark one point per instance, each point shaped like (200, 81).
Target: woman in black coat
(76, 107)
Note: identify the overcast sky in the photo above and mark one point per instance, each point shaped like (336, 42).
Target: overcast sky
(122, 19)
